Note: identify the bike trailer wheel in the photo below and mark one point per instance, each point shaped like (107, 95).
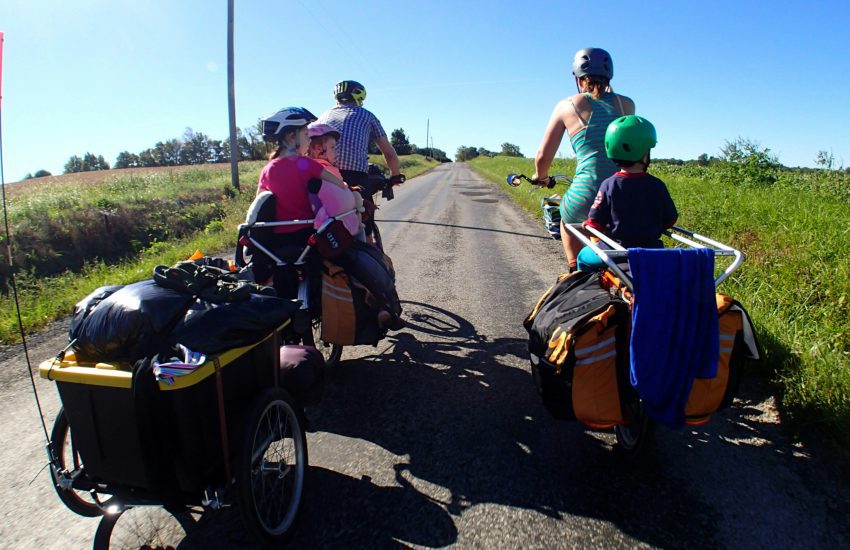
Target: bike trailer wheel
(272, 468)
(84, 503)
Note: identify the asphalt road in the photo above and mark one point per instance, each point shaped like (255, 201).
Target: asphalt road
(437, 437)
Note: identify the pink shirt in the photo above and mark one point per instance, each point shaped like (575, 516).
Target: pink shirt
(287, 178)
(336, 200)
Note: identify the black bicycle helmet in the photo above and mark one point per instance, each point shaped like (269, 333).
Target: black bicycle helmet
(350, 91)
(593, 62)
(288, 117)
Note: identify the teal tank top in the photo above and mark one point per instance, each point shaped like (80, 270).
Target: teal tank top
(592, 164)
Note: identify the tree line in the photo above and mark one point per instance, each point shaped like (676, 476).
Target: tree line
(198, 148)
(465, 153)
(402, 146)
(192, 148)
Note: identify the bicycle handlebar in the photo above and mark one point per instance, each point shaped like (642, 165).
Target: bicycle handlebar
(514, 180)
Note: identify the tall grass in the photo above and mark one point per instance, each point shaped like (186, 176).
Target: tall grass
(795, 282)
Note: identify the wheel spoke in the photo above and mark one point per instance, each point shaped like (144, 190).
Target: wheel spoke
(274, 481)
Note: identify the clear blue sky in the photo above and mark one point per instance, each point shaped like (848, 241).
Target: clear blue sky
(104, 76)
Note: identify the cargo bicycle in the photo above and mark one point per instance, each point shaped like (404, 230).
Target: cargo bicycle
(581, 369)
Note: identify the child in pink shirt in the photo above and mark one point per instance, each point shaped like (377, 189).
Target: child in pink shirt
(288, 173)
(335, 200)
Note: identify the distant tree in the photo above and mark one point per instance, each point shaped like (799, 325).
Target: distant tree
(218, 151)
(89, 162)
(439, 155)
(167, 153)
(254, 146)
(742, 150)
(225, 147)
(485, 153)
(27, 177)
(74, 164)
(702, 160)
(825, 159)
(748, 162)
(399, 141)
(673, 161)
(126, 159)
(465, 153)
(510, 150)
(42, 174)
(195, 148)
(147, 159)
(92, 163)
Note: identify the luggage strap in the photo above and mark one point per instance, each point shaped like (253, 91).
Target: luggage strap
(222, 421)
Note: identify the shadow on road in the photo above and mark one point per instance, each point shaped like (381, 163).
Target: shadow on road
(471, 422)
(469, 227)
(469, 429)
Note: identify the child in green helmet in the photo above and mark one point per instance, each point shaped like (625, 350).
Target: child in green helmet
(632, 207)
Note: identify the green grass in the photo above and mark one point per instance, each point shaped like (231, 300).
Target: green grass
(45, 299)
(795, 282)
(411, 165)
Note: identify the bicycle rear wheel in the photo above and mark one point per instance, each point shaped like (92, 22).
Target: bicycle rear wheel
(331, 352)
(634, 438)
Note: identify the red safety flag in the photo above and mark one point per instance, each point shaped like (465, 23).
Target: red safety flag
(1, 68)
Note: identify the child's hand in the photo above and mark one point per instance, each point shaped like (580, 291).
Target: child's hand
(358, 202)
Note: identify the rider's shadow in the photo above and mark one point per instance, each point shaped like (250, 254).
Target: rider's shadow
(462, 412)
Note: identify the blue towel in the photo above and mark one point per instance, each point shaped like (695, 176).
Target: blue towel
(674, 327)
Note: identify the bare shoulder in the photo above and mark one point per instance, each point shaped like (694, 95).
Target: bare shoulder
(568, 106)
(628, 104)
(580, 101)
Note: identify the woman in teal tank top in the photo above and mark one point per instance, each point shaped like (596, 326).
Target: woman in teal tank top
(584, 117)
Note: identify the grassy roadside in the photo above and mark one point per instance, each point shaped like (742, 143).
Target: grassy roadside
(795, 282)
(45, 299)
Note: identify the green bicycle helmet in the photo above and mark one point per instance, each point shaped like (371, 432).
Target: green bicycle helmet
(629, 138)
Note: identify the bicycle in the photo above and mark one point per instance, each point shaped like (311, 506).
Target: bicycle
(611, 291)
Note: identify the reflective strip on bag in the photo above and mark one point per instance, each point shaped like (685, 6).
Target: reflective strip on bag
(581, 352)
(596, 358)
(337, 295)
(727, 342)
(584, 354)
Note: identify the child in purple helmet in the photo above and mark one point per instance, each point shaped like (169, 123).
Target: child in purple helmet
(335, 200)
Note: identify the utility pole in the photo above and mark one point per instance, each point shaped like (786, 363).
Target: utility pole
(231, 101)
(427, 133)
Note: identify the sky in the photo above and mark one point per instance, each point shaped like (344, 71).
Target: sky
(105, 76)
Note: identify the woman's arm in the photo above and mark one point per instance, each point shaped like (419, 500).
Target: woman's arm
(551, 141)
